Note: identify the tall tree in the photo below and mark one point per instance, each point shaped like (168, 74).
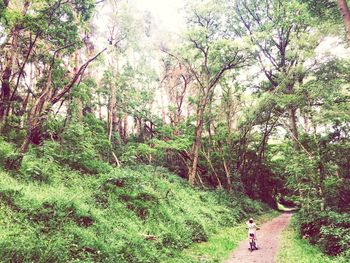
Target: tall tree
(40, 38)
(208, 54)
(284, 42)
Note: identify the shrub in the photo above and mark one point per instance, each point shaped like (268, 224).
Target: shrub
(328, 229)
(39, 169)
(7, 153)
(79, 149)
(334, 239)
(196, 231)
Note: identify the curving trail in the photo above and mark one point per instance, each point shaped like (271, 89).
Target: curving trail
(268, 242)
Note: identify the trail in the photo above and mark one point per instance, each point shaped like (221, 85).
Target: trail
(268, 242)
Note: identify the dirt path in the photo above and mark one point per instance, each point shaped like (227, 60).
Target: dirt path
(268, 243)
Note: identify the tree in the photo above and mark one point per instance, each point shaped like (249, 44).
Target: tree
(41, 36)
(284, 42)
(208, 54)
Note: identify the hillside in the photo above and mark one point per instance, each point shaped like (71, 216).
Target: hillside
(139, 214)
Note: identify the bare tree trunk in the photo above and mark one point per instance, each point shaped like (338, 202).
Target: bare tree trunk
(5, 93)
(79, 103)
(293, 127)
(120, 128)
(196, 145)
(114, 117)
(34, 118)
(344, 10)
(306, 123)
(111, 111)
(99, 107)
(228, 175)
(207, 156)
(125, 130)
(24, 109)
(163, 117)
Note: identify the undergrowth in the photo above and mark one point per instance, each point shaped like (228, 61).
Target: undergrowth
(296, 250)
(51, 213)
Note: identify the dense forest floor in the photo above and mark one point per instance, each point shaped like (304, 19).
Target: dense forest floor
(138, 214)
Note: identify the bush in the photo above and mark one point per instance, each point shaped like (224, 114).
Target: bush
(7, 153)
(39, 169)
(334, 240)
(196, 231)
(77, 150)
(327, 229)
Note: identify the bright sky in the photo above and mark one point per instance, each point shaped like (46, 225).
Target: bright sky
(167, 12)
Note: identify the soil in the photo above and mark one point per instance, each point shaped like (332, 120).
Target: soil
(267, 240)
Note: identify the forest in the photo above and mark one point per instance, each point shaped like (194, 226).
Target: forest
(124, 138)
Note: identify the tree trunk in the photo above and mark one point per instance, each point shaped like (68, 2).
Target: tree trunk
(34, 117)
(5, 88)
(10, 60)
(120, 128)
(125, 128)
(111, 111)
(99, 107)
(344, 10)
(207, 156)
(6, 76)
(24, 109)
(79, 103)
(228, 175)
(196, 145)
(293, 126)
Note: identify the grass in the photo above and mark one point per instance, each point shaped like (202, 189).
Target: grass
(75, 217)
(220, 245)
(296, 250)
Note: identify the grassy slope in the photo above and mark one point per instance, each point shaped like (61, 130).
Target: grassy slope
(296, 250)
(110, 217)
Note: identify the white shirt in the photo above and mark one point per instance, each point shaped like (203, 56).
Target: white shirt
(251, 228)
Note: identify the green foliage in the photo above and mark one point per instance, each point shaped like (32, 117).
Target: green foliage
(156, 150)
(295, 249)
(197, 231)
(107, 218)
(246, 144)
(328, 229)
(324, 10)
(7, 153)
(40, 170)
(81, 146)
